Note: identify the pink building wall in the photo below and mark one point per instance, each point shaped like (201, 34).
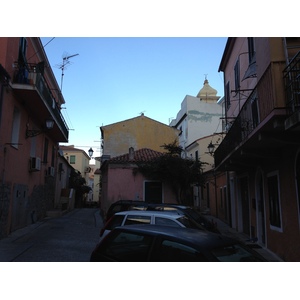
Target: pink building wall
(123, 183)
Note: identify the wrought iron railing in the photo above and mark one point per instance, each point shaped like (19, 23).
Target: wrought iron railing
(29, 75)
(291, 75)
(244, 124)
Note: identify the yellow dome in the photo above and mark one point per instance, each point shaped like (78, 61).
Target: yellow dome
(207, 92)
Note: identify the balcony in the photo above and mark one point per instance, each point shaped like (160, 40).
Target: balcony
(241, 128)
(32, 89)
(292, 89)
(258, 131)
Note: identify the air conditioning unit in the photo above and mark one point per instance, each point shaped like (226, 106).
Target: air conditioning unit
(51, 171)
(35, 164)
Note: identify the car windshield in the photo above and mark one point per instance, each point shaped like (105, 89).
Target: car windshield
(234, 253)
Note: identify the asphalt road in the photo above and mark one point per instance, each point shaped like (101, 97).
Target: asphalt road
(69, 238)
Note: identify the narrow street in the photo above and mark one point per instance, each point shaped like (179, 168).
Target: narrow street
(69, 238)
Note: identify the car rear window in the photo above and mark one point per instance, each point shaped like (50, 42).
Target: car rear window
(129, 247)
(132, 219)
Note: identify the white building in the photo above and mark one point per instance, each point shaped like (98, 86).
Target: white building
(199, 116)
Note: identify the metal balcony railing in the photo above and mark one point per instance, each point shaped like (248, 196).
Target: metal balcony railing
(291, 75)
(29, 75)
(244, 124)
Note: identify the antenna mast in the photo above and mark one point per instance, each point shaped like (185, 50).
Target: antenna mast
(63, 66)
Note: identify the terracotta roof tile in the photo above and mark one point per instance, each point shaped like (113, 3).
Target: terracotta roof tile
(140, 155)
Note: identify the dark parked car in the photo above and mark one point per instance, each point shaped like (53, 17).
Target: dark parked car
(140, 243)
(191, 213)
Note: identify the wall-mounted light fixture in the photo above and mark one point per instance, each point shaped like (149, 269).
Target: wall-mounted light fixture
(211, 148)
(32, 132)
(91, 151)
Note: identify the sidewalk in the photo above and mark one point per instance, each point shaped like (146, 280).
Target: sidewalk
(225, 229)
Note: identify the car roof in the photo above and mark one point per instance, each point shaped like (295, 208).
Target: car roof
(168, 214)
(193, 236)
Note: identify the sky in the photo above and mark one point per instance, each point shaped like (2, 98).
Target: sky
(111, 79)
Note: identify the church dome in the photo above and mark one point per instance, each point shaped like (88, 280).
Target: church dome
(207, 92)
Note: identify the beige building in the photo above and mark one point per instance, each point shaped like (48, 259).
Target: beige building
(78, 159)
(139, 132)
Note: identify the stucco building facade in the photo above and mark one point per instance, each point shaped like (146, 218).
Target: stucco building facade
(139, 132)
(260, 153)
(30, 101)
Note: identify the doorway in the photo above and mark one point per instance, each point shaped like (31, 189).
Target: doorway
(260, 209)
(153, 192)
(244, 205)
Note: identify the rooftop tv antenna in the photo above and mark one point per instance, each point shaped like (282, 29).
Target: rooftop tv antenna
(63, 66)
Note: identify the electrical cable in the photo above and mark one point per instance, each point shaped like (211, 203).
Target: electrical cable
(39, 50)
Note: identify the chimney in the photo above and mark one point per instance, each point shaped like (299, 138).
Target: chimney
(131, 153)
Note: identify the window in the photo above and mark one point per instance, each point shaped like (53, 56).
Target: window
(132, 219)
(115, 221)
(237, 75)
(129, 247)
(16, 127)
(234, 253)
(274, 201)
(72, 159)
(165, 222)
(251, 49)
(171, 251)
(188, 223)
(196, 155)
(45, 158)
(22, 49)
(227, 96)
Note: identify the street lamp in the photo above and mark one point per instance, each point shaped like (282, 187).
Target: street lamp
(211, 148)
(32, 132)
(91, 151)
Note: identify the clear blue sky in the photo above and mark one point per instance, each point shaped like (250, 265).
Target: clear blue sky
(114, 79)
